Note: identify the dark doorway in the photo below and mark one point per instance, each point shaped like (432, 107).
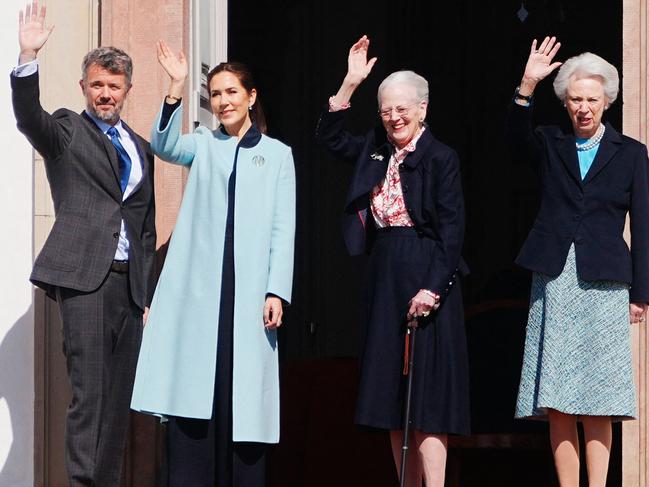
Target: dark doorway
(472, 54)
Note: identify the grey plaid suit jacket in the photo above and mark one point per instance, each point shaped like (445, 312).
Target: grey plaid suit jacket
(83, 172)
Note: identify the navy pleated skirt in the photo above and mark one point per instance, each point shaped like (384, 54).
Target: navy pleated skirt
(399, 263)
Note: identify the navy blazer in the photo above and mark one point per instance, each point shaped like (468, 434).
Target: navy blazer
(432, 191)
(591, 213)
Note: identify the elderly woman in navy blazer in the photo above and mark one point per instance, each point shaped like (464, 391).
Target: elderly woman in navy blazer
(405, 208)
(587, 283)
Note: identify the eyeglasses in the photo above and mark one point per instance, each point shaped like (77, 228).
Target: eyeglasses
(401, 111)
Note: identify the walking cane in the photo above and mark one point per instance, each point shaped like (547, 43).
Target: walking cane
(408, 369)
(411, 334)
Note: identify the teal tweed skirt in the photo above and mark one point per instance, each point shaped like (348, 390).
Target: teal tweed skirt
(577, 348)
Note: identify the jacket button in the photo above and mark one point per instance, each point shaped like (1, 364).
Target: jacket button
(404, 187)
(116, 234)
(580, 196)
(579, 240)
(576, 218)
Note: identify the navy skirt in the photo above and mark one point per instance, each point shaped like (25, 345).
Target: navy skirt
(399, 263)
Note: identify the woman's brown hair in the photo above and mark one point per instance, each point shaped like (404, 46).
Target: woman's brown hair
(244, 75)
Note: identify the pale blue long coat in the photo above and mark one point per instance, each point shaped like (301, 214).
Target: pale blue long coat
(176, 368)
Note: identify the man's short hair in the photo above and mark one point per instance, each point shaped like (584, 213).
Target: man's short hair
(111, 58)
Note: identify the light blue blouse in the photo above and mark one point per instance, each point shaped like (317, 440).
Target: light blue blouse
(586, 157)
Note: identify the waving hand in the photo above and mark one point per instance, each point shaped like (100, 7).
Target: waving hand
(175, 66)
(539, 64)
(32, 33)
(358, 67)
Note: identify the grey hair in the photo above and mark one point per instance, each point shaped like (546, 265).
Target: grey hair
(409, 78)
(587, 65)
(111, 58)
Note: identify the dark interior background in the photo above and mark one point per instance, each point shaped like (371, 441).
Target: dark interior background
(473, 54)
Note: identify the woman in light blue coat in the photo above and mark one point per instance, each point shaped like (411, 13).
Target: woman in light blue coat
(209, 352)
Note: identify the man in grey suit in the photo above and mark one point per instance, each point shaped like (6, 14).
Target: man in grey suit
(98, 259)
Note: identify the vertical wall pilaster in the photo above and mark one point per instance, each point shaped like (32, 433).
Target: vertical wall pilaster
(635, 438)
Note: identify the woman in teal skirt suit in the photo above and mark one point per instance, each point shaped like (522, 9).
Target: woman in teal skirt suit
(587, 283)
(209, 353)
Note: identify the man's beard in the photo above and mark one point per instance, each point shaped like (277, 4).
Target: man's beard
(106, 116)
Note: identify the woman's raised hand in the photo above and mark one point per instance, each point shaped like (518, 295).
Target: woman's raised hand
(539, 64)
(175, 66)
(32, 33)
(358, 67)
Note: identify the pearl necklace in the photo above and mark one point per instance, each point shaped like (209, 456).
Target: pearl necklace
(593, 141)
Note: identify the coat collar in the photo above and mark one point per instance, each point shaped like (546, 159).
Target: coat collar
(375, 166)
(385, 148)
(250, 139)
(423, 144)
(608, 147)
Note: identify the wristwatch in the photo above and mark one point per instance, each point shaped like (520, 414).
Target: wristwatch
(518, 96)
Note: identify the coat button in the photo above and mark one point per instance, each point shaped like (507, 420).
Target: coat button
(576, 218)
(404, 187)
(579, 240)
(116, 234)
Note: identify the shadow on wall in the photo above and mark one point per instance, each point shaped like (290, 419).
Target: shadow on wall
(16, 403)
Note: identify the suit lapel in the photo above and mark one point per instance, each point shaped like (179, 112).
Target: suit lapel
(373, 168)
(568, 154)
(111, 152)
(141, 152)
(413, 158)
(609, 145)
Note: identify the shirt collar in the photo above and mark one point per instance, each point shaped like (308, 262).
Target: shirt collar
(400, 154)
(103, 126)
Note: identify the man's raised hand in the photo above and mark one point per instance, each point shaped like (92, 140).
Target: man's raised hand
(32, 33)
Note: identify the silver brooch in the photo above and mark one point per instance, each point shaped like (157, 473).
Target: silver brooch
(258, 161)
(376, 156)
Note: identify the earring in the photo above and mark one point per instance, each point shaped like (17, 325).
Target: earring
(249, 107)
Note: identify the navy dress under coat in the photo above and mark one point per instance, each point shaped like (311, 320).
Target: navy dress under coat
(402, 261)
